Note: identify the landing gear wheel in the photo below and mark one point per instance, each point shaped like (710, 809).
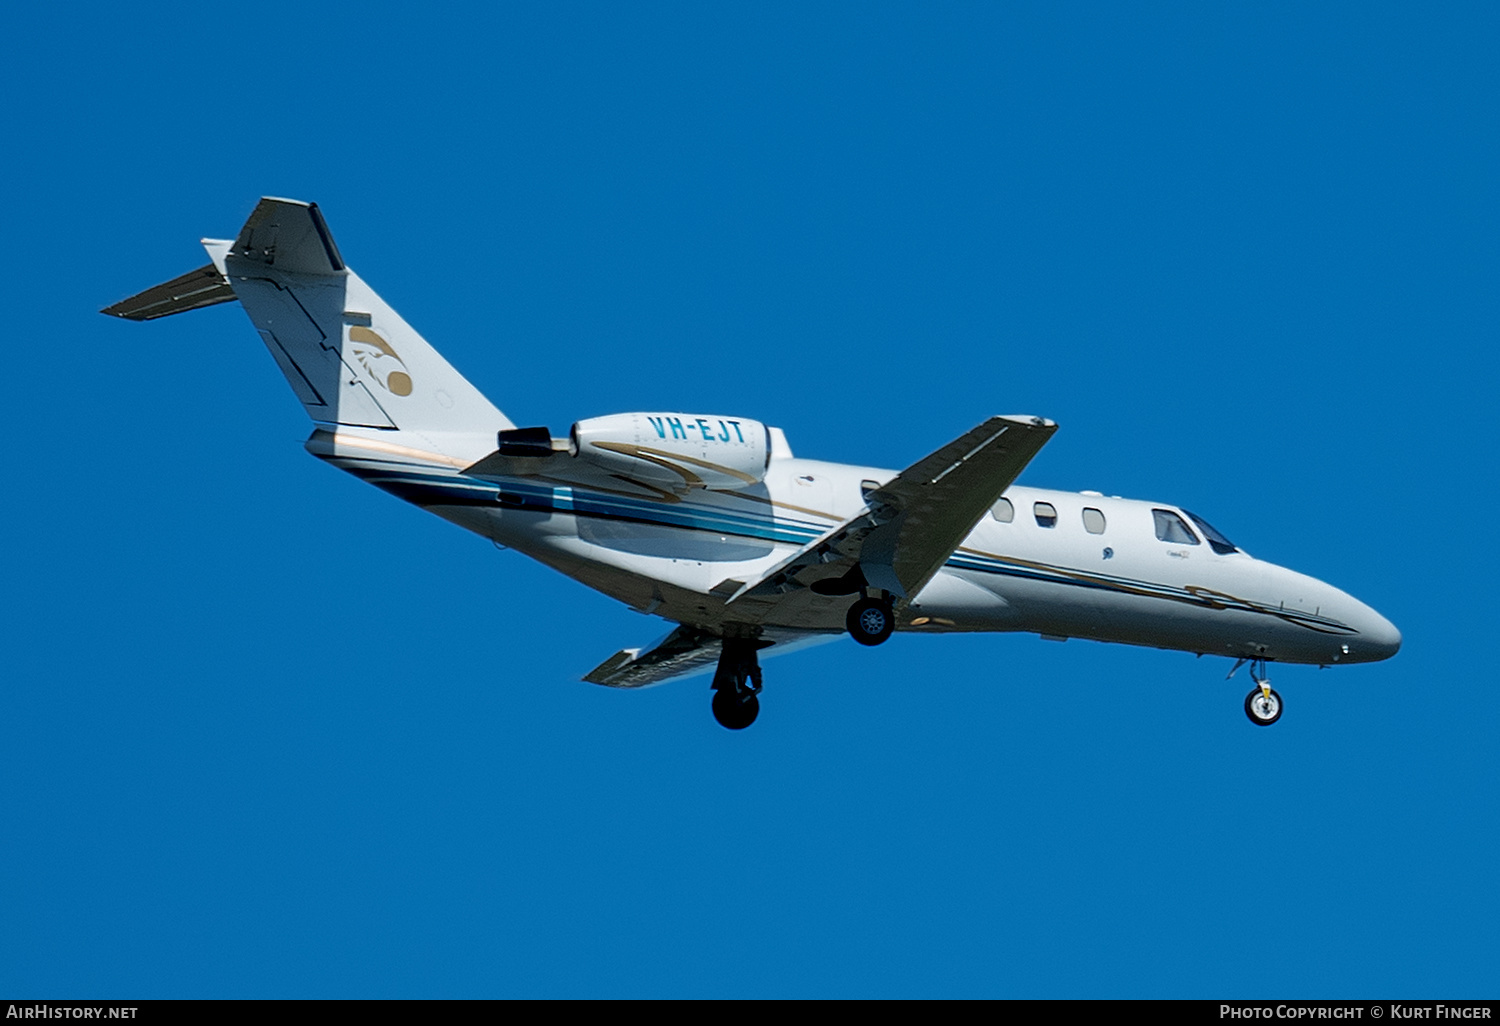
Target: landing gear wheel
(870, 621)
(1262, 711)
(737, 683)
(735, 711)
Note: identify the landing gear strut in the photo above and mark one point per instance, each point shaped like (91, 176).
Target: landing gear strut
(870, 621)
(1262, 705)
(737, 684)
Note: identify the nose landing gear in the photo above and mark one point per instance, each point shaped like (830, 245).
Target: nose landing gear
(1262, 704)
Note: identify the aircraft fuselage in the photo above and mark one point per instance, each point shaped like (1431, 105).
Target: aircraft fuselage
(1103, 575)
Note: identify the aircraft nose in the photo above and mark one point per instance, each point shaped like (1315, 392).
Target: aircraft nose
(1378, 638)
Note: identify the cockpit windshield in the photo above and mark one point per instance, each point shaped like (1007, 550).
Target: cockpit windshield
(1216, 541)
(1170, 528)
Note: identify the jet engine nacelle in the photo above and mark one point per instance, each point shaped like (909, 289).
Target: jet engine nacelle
(676, 451)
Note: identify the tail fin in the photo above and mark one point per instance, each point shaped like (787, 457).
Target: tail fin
(348, 356)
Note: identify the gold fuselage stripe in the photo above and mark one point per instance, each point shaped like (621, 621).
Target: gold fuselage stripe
(357, 442)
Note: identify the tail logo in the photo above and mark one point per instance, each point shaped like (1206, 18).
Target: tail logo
(377, 357)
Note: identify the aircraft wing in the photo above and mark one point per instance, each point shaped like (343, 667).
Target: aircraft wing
(686, 652)
(912, 524)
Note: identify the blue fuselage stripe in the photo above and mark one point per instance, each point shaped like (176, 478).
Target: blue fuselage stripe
(437, 488)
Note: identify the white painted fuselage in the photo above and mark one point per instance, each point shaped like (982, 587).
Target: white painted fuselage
(1110, 579)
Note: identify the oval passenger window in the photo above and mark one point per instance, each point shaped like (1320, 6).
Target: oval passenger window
(1046, 514)
(1093, 520)
(1003, 511)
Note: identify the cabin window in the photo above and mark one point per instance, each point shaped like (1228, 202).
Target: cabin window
(1093, 520)
(1170, 528)
(1216, 541)
(1046, 514)
(1003, 511)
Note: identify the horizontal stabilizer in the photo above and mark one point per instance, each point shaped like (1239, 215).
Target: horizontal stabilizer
(194, 290)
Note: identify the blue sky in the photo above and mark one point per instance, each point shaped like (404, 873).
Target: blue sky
(270, 732)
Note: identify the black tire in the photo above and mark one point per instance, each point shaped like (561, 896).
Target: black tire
(870, 622)
(735, 711)
(1263, 713)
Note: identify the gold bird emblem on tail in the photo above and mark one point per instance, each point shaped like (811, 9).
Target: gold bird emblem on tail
(377, 357)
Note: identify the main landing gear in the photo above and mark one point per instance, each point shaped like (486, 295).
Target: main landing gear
(870, 621)
(737, 684)
(737, 681)
(1262, 705)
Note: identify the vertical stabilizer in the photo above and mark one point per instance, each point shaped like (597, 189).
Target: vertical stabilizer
(349, 357)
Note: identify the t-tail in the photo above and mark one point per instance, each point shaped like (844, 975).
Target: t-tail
(361, 372)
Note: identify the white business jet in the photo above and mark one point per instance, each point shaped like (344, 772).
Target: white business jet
(711, 523)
